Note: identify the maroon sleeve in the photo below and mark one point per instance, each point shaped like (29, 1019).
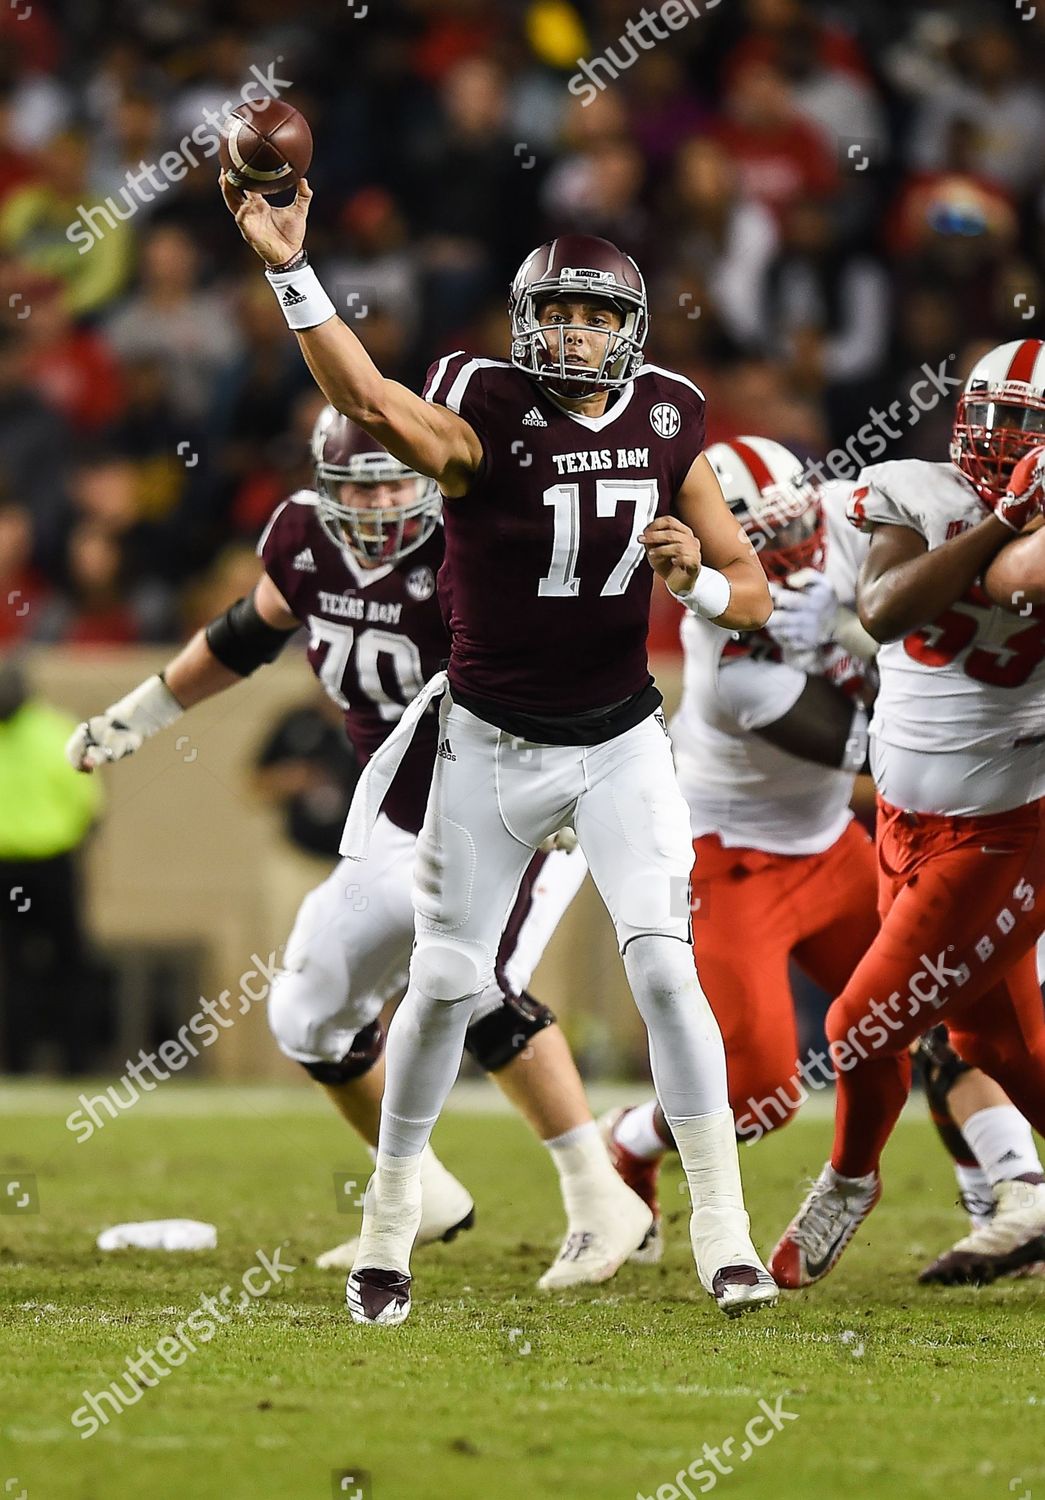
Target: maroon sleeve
(456, 382)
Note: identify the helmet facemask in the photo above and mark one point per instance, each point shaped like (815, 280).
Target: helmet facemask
(531, 347)
(993, 430)
(376, 535)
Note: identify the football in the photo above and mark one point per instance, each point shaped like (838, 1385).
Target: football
(266, 147)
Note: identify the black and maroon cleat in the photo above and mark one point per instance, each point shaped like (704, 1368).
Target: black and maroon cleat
(740, 1289)
(377, 1296)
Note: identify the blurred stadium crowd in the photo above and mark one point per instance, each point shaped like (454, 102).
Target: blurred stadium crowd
(824, 197)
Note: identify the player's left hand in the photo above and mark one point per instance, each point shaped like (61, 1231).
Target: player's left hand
(802, 617)
(673, 552)
(1024, 499)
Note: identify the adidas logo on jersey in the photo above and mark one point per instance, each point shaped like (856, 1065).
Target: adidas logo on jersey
(445, 752)
(304, 562)
(533, 418)
(291, 297)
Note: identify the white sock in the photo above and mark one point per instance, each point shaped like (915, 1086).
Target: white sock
(584, 1167)
(1002, 1142)
(975, 1190)
(637, 1133)
(391, 1213)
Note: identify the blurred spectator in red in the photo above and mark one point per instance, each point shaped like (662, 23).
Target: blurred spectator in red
(23, 591)
(35, 218)
(778, 155)
(96, 610)
(168, 317)
(70, 365)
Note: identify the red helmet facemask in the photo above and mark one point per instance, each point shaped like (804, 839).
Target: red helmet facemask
(991, 436)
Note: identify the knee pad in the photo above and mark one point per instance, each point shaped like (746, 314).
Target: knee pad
(941, 1067)
(503, 1032)
(445, 969)
(367, 1047)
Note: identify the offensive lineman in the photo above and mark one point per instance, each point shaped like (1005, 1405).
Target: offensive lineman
(561, 468)
(961, 822)
(770, 734)
(355, 561)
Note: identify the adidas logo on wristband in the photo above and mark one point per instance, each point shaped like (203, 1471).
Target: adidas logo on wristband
(291, 297)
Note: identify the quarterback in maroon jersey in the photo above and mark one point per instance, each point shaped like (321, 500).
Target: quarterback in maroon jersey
(566, 468)
(355, 561)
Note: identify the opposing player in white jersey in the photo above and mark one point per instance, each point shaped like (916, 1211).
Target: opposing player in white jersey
(571, 472)
(355, 561)
(958, 755)
(770, 735)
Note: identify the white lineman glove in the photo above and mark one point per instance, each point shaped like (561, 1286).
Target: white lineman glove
(802, 617)
(565, 839)
(120, 730)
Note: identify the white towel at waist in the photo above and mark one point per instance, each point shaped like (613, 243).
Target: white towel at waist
(379, 772)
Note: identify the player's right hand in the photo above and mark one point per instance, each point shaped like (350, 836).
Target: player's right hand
(1024, 498)
(98, 740)
(276, 234)
(802, 617)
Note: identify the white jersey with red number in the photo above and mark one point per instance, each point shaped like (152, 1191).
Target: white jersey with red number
(959, 724)
(738, 785)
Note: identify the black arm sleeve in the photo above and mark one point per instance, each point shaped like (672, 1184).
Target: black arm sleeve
(242, 640)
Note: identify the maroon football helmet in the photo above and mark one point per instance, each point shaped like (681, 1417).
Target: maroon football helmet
(578, 265)
(344, 453)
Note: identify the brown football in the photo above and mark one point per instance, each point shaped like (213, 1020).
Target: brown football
(265, 147)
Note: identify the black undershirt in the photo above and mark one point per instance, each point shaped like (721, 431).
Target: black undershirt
(591, 728)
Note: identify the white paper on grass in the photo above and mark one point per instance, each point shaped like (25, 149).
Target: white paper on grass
(160, 1234)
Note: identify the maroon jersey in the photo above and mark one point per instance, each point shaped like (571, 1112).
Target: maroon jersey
(546, 587)
(375, 636)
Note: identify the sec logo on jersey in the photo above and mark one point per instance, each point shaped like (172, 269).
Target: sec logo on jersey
(420, 584)
(665, 419)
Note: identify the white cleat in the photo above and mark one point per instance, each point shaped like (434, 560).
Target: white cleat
(1011, 1243)
(447, 1208)
(728, 1265)
(378, 1297)
(615, 1224)
(832, 1212)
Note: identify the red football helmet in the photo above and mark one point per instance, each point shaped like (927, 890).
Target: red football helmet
(778, 506)
(1000, 416)
(344, 454)
(578, 265)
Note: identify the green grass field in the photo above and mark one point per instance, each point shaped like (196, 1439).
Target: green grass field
(491, 1389)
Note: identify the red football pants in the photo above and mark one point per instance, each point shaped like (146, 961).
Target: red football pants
(962, 904)
(752, 912)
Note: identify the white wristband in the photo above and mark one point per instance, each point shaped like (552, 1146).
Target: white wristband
(304, 302)
(709, 596)
(147, 709)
